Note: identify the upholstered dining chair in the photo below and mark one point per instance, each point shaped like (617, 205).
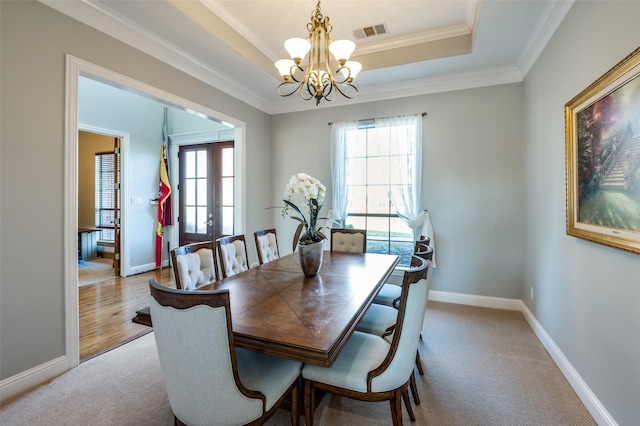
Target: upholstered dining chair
(390, 293)
(208, 380)
(370, 368)
(266, 245)
(232, 252)
(349, 240)
(194, 265)
(381, 320)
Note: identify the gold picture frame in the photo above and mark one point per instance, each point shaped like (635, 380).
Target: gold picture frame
(602, 134)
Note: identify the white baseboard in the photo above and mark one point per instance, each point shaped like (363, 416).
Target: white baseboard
(590, 401)
(27, 380)
(473, 300)
(139, 269)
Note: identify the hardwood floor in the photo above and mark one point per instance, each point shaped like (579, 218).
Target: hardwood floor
(106, 309)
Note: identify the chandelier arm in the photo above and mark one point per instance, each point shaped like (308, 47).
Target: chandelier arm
(310, 94)
(287, 83)
(327, 91)
(345, 79)
(292, 74)
(343, 93)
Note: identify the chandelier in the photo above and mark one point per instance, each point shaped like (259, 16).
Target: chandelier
(316, 80)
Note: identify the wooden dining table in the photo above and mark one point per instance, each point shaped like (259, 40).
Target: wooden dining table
(276, 310)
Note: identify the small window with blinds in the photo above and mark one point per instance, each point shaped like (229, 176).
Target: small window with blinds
(105, 201)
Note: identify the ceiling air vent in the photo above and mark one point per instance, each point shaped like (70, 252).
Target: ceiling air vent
(370, 31)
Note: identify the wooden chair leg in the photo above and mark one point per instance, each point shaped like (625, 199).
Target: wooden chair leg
(309, 403)
(396, 408)
(414, 389)
(407, 403)
(294, 406)
(419, 364)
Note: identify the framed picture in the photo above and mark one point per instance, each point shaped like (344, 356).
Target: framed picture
(602, 133)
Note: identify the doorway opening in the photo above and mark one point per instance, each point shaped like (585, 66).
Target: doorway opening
(75, 70)
(99, 201)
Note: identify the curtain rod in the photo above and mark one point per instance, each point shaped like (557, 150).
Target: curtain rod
(424, 114)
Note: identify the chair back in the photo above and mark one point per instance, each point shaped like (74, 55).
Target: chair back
(424, 251)
(349, 240)
(194, 339)
(194, 265)
(266, 245)
(232, 251)
(422, 240)
(397, 367)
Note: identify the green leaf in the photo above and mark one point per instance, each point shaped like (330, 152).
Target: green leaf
(296, 236)
(293, 206)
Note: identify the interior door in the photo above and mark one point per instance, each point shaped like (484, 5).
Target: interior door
(206, 191)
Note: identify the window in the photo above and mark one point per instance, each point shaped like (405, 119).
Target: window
(105, 200)
(377, 162)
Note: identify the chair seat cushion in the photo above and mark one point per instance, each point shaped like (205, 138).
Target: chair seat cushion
(362, 353)
(267, 374)
(378, 319)
(388, 293)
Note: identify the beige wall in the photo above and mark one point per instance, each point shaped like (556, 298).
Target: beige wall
(586, 295)
(88, 145)
(472, 183)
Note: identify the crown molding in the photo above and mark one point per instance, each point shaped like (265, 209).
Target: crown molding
(222, 12)
(414, 39)
(549, 21)
(123, 29)
(416, 87)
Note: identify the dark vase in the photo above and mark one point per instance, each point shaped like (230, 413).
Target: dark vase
(311, 258)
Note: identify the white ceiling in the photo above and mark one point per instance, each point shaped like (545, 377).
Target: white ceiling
(431, 45)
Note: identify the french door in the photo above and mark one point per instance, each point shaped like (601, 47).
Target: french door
(206, 191)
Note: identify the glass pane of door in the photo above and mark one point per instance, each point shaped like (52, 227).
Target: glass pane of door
(196, 194)
(206, 191)
(195, 191)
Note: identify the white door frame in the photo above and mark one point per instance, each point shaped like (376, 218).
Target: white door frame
(75, 68)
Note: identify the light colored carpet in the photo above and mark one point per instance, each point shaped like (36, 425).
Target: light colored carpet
(483, 367)
(95, 271)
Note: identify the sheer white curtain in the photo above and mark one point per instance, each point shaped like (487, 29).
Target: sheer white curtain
(340, 135)
(402, 138)
(404, 134)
